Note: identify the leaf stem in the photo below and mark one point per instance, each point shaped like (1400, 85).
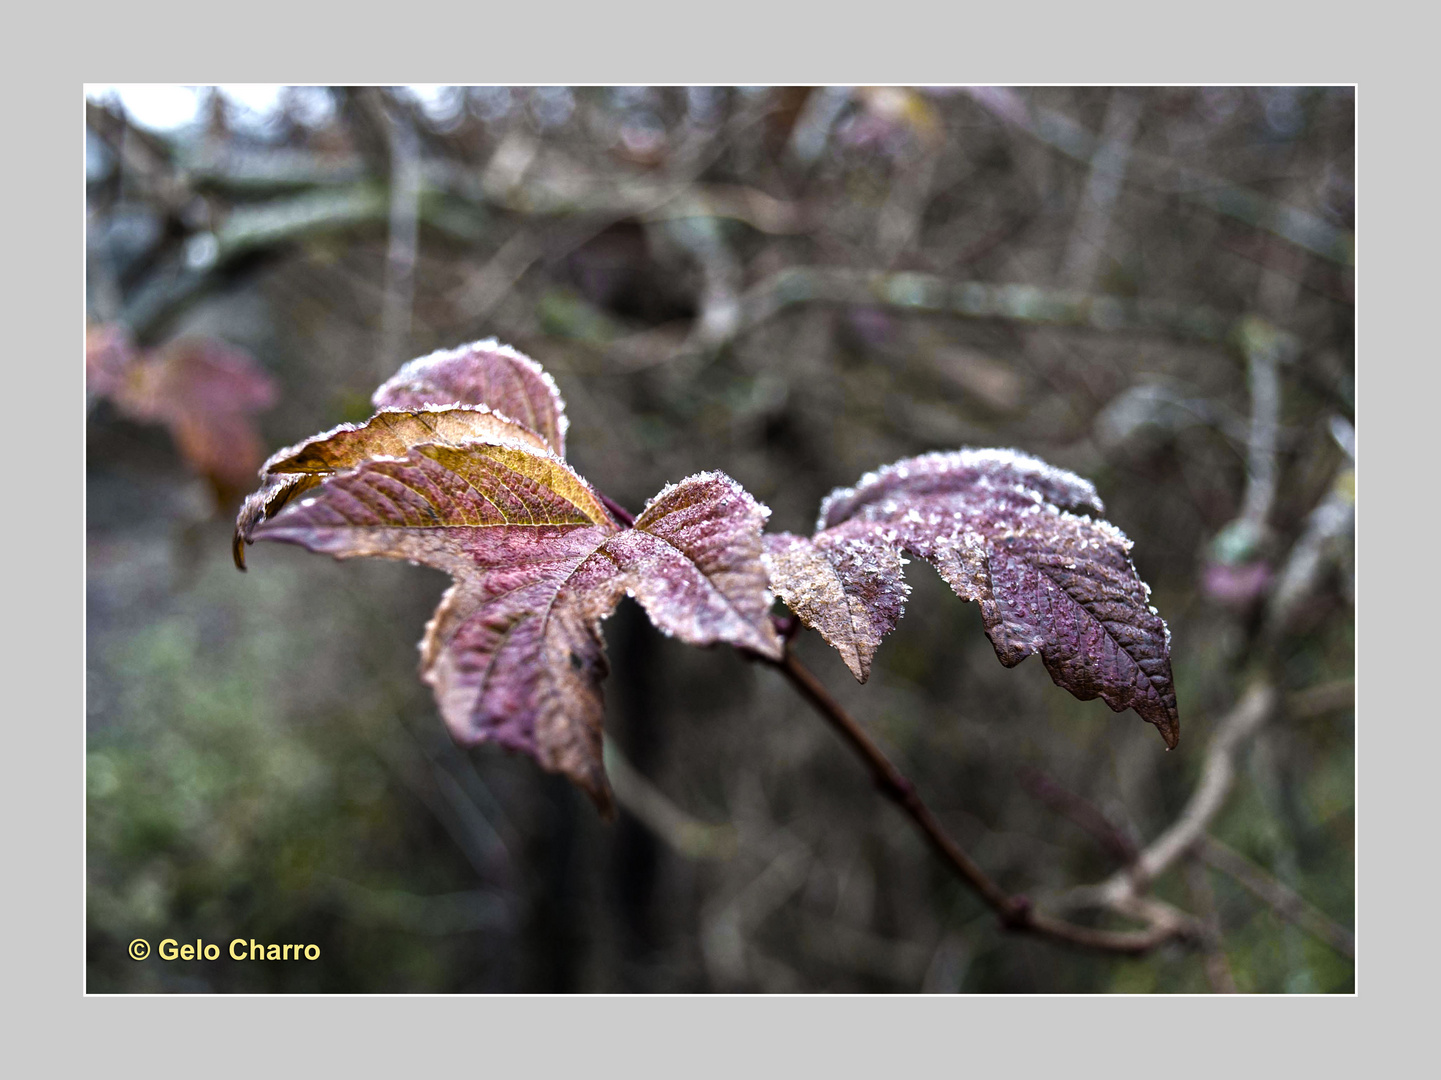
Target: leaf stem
(621, 514)
(1015, 912)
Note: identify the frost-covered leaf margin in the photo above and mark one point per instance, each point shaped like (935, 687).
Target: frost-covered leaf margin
(487, 373)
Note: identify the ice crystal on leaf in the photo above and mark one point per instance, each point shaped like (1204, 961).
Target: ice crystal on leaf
(514, 651)
(1008, 531)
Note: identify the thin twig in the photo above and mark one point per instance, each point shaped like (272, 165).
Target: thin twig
(1319, 700)
(1262, 359)
(680, 831)
(676, 196)
(1016, 912)
(1319, 545)
(1285, 901)
(1082, 812)
(704, 241)
(1254, 708)
(488, 286)
(1103, 185)
(1028, 304)
(1218, 968)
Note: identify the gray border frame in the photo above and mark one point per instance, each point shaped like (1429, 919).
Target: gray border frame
(731, 43)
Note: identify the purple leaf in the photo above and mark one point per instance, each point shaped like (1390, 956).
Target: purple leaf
(298, 468)
(514, 651)
(694, 560)
(1008, 531)
(482, 373)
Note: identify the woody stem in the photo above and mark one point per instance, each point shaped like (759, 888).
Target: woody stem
(1015, 912)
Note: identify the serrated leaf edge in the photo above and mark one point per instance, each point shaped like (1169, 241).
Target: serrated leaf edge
(411, 368)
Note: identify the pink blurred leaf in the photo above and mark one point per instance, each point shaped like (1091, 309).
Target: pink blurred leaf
(1237, 586)
(110, 353)
(205, 391)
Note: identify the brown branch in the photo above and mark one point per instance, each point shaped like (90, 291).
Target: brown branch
(1082, 812)
(1015, 912)
(619, 512)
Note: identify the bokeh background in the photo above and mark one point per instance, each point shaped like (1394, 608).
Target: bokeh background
(1149, 286)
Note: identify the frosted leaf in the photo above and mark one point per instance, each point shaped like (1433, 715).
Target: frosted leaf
(694, 562)
(958, 470)
(849, 590)
(482, 373)
(389, 433)
(1008, 531)
(514, 651)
